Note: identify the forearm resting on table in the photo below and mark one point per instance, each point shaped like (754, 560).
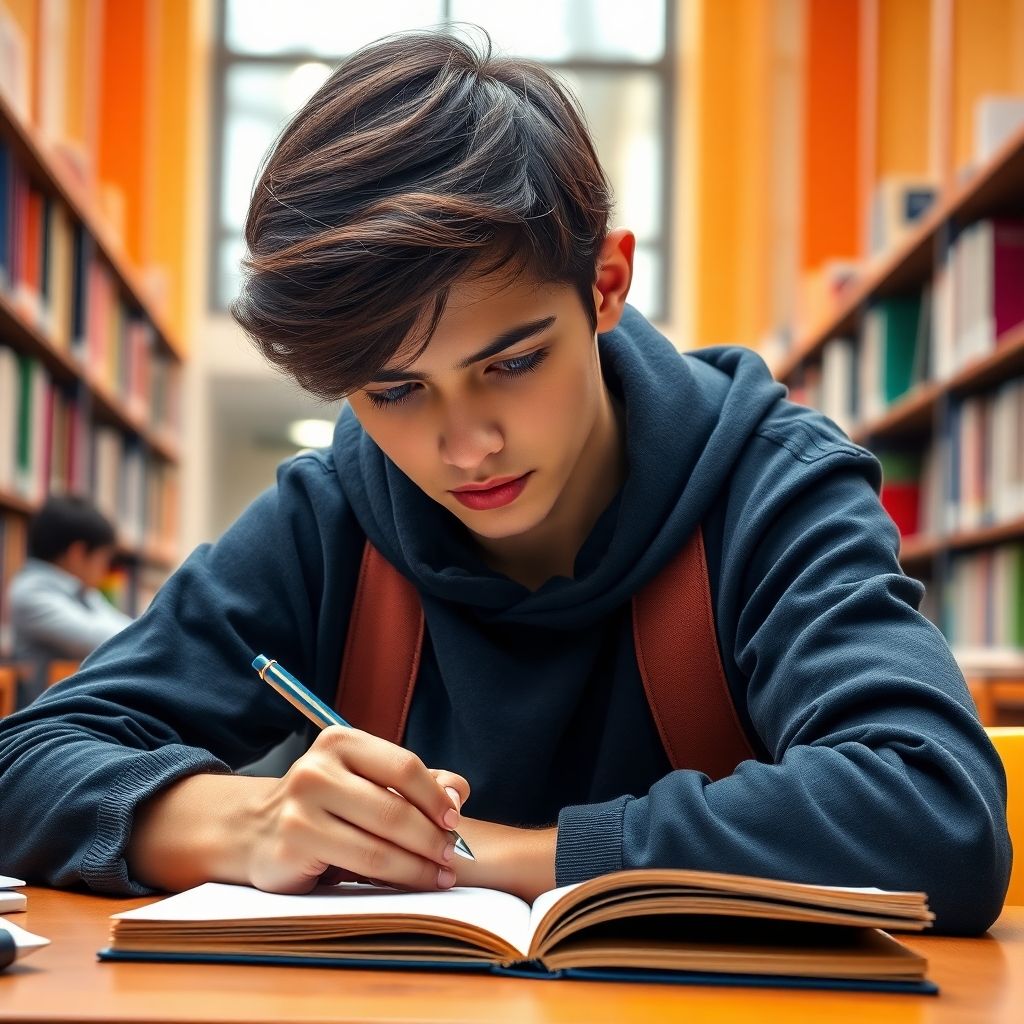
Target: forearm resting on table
(205, 827)
(197, 830)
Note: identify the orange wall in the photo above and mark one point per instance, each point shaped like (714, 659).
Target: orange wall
(831, 156)
(125, 93)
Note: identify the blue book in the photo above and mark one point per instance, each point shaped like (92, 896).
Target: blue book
(673, 926)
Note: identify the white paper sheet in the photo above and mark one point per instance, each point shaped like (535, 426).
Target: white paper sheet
(498, 912)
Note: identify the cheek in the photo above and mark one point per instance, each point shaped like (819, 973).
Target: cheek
(403, 439)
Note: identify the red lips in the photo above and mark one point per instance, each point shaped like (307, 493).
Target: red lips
(491, 493)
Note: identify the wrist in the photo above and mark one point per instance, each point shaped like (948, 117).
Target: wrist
(200, 829)
(516, 860)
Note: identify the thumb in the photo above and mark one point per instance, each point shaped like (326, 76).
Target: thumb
(456, 786)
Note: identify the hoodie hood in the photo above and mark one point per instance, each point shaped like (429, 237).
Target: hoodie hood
(688, 417)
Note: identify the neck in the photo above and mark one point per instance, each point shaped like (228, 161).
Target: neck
(550, 548)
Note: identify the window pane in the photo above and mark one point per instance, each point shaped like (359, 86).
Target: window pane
(259, 99)
(229, 258)
(645, 291)
(557, 30)
(624, 113)
(327, 28)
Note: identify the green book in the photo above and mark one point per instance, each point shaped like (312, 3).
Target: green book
(898, 317)
(26, 372)
(1015, 597)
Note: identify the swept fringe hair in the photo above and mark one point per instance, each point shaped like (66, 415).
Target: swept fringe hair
(419, 161)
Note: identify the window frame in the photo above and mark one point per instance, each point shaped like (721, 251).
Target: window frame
(664, 69)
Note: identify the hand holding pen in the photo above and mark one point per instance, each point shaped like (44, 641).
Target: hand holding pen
(360, 804)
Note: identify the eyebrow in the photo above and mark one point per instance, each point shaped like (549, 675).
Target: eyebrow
(505, 340)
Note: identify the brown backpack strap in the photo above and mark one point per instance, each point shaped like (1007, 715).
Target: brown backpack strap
(677, 653)
(382, 651)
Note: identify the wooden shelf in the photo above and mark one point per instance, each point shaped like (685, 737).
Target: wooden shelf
(22, 335)
(981, 373)
(910, 416)
(994, 188)
(162, 556)
(919, 549)
(38, 160)
(159, 556)
(914, 413)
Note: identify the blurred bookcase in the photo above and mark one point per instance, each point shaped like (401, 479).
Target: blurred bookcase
(90, 364)
(909, 331)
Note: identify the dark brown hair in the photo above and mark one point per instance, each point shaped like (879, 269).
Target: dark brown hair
(64, 520)
(418, 161)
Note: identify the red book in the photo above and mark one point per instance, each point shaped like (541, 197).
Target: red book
(902, 500)
(1008, 275)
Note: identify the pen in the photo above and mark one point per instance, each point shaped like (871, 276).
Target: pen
(318, 713)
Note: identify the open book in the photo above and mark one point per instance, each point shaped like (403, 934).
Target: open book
(673, 925)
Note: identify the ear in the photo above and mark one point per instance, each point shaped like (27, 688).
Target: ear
(614, 275)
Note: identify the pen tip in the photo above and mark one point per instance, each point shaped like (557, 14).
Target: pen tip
(462, 848)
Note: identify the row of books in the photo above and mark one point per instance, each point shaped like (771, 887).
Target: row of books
(984, 451)
(49, 443)
(971, 476)
(53, 275)
(135, 491)
(982, 602)
(977, 297)
(971, 307)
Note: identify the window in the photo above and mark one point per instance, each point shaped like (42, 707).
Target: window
(615, 56)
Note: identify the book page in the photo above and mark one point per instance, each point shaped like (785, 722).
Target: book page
(499, 913)
(542, 904)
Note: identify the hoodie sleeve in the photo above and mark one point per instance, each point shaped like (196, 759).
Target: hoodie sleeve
(880, 773)
(171, 695)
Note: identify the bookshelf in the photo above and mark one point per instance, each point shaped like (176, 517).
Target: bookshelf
(938, 395)
(89, 366)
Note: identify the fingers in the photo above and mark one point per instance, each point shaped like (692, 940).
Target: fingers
(390, 766)
(455, 785)
(388, 816)
(329, 839)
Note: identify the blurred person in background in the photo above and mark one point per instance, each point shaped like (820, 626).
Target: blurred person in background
(57, 610)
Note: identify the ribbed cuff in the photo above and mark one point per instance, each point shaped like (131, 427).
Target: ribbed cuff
(103, 867)
(589, 841)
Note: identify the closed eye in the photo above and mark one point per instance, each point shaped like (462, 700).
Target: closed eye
(392, 396)
(518, 365)
(514, 367)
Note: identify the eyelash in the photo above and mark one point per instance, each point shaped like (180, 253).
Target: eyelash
(517, 366)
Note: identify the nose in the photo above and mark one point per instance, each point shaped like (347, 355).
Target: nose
(468, 437)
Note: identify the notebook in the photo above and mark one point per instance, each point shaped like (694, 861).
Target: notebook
(10, 900)
(663, 925)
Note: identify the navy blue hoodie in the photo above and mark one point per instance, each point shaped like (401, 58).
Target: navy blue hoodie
(873, 768)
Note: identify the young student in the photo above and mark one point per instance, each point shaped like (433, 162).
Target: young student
(430, 239)
(57, 610)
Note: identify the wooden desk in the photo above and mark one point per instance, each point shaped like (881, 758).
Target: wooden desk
(982, 981)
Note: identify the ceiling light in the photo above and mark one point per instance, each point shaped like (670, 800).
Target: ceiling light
(311, 433)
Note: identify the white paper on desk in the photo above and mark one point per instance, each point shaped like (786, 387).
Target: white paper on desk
(6, 882)
(24, 942)
(497, 912)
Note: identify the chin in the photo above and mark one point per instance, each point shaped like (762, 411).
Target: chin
(494, 525)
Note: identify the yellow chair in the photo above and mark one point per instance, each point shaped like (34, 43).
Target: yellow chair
(1009, 742)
